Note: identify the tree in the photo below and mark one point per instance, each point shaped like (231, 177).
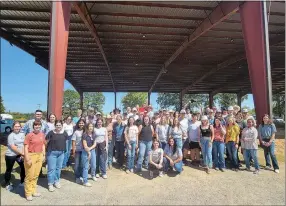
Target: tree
(278, 104)
(227, 99)
(71, 102)
(131, 99)
(172, 100)
(93, 99)
(2, 108)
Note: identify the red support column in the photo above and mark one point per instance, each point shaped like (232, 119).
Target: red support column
(59, 33)
(255, 33)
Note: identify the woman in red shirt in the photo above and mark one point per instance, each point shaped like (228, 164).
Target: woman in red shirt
(34, 154)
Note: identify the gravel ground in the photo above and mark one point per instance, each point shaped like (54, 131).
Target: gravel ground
(192, 187)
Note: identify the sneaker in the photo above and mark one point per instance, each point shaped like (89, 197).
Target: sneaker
(127, 171)
(151, 174)
(21, 184)
(276, 171)
(132, 171)
(87, 184)
(267, 167)
(248, 170)
(113, 159)
(37, 194)
(161, 174)
(256, 172)
(222, 169)
(29, 198)
(104, 176)
(110, 167)
(94, 178)
(217, 169)
(51, 188)
(97, 175)
(9, 187)
(57, 185)
(77, 180)
(208, 171)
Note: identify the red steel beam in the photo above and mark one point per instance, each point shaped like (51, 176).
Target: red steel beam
(85, 16)
(220, 13)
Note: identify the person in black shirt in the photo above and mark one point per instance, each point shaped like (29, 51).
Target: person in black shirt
(56, 146)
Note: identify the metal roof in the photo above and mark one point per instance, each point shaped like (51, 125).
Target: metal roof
(139, 37)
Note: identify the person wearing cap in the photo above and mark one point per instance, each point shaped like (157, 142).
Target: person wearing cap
(211, 117)
(230, 113)
(232, 141)
(129, 113)
(161, 132)
(236, 109)
(224, 113)
(98, 115)
(193, 139)
(219, 116)
(206, 140)
(134, 111)
(150, 112)
(109, 128)
(184, 124)
(91, 118)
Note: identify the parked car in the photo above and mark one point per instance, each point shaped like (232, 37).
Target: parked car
(6, 125)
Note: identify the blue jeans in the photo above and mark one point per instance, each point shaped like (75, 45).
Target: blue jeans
(270, 152)
(178, 166)
(179, 142)
(77, 164)
(144, 149)
(247, 153)
(119, 146)
(218, 154)
(163, 145)
(110, 152)
(67, 152)
(101, 158)
(207, 151)
(131, 155)
(232, 152)
(55, 162)
(85, 164)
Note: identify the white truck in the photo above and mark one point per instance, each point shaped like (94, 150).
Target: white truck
(6, 123)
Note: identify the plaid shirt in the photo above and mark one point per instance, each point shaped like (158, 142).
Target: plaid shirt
(28, 127)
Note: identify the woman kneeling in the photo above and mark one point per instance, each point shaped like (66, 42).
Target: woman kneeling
(156, 159)
(173, 157)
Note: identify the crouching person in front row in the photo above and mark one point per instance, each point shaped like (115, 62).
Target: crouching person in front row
(173, 157)
(156, 159)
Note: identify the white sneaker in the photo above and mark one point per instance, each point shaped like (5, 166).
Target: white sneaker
(132, 171)
(57, 185)
(9, 187)
(77, 180)
(161, 174)
(94, 178)
(127, 171)
(51, 188)
(256, 172)
(104, 176)
(87, 184)
(97, 175)
(29, 198)
(276, 171)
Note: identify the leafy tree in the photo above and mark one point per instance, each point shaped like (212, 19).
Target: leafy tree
(131, 99)
(93, 99)
(278, 104)
(2, 108)
(71, 102)
(227, 99)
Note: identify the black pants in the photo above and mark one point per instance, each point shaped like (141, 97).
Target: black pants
(10, 161)
(119, 145)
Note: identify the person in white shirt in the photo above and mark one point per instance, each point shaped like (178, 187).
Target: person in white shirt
(184, 124)
(135, 115)
(161, 132)
(68, 127)
(129, 113)
(150, 112)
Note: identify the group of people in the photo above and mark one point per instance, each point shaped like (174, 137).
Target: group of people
(159, 142)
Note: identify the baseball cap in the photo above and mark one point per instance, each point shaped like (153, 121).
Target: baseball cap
(134, 109)
(108, 117)
(245, 110)
(204, 117)
(230, 108)
(183, 111)
(98, 113)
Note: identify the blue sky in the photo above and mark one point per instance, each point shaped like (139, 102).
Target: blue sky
(24, 83)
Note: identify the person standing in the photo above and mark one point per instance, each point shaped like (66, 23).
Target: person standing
(249, 145)
(184, 124)
(90, 118)
(111, 141)
(68, 128)
(206, 141)
(101, 138)
(131, 139)
(14, 153)
(51, 121)
(156, 159)
(77, 149)
(129, 113)
(34, 155)
(77, 118)
(56, 147)
(177, 133)
(118, 135)
(266, 133)
(218, 145)
(146, 132)
(161, 132)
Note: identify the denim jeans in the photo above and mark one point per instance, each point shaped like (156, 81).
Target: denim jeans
(232, 152)
(55, 162)
(144, 149)
(110, 152)
(177, 166)
(247, 154)
(270, 152)
(101, 158)
(85, 164)
(179, 142)
(207, 151)
(119, 146)
(218, 154)
(67, 152)
(131, 155)
(77, 164)
(163, 145)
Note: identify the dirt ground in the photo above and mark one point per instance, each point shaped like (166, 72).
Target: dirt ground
(192, 187)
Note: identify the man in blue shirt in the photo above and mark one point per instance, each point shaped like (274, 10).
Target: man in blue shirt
(118, 135)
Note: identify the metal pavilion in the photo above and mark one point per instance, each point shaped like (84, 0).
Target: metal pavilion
(178, 47)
